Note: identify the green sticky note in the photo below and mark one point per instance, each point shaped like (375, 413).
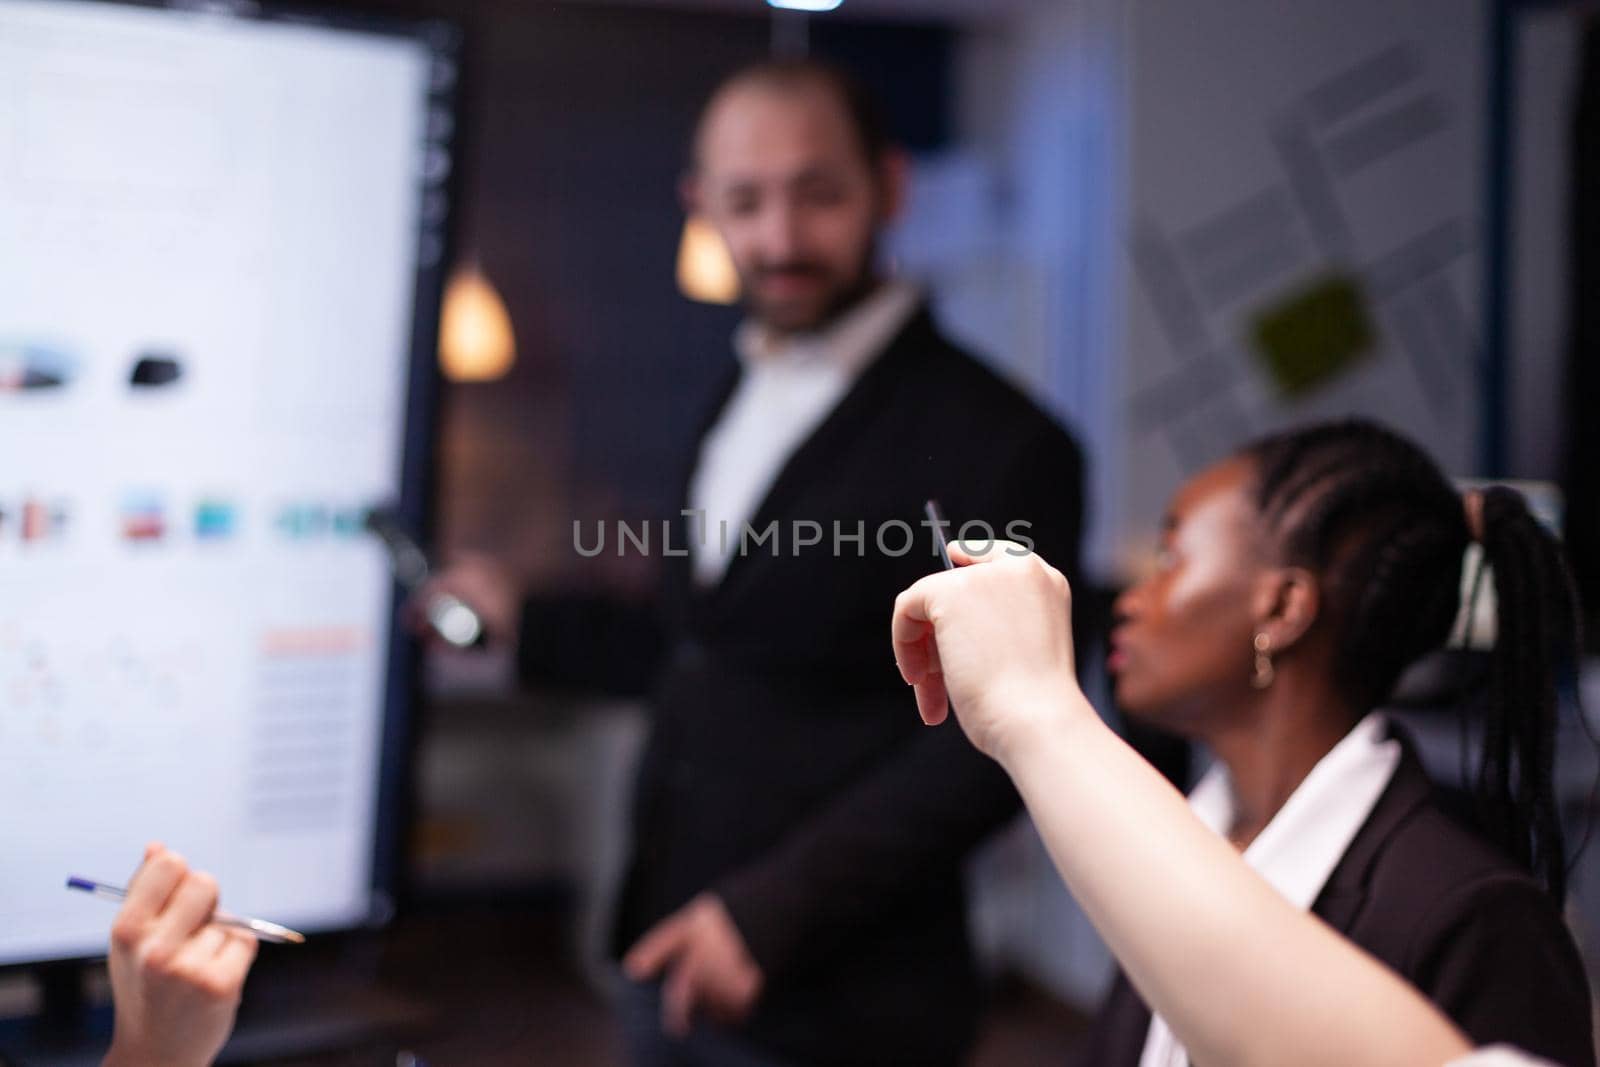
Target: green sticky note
(1313, 335)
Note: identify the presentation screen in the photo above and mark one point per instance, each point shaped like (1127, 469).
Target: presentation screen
(220, 237)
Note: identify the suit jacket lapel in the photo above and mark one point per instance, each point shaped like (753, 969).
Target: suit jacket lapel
(678, 570)
(1341, 899)
(1119, 1032)
(829, 444)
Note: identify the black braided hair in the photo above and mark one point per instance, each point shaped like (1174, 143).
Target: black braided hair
(1371, 515)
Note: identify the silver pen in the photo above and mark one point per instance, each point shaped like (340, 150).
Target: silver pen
(937, 520)
(266, 931)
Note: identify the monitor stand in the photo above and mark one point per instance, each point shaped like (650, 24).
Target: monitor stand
(66, 1029)
(295, 1005)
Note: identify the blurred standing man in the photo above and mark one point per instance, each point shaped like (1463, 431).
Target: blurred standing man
(795, 892)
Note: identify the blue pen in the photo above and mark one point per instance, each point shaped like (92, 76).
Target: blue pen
(266, 931)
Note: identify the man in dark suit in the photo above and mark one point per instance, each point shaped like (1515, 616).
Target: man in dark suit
(795, 890)
(1445, 910)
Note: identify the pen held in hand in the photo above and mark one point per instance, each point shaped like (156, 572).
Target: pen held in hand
(266, 931)
(936, 517)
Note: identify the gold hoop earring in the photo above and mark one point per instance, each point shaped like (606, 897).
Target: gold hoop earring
(1265, 672)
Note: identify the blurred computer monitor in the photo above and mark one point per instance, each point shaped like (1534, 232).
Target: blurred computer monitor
(221, 237)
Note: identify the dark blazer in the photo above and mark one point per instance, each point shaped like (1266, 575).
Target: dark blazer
(1448, 912)
(787, 769)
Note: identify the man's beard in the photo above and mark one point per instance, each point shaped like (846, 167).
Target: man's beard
(838, 299)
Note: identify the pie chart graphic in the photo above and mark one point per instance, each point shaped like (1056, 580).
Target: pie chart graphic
(27, 366)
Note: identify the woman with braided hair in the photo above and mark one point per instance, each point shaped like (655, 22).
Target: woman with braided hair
(1297, 580)
(1240, 974)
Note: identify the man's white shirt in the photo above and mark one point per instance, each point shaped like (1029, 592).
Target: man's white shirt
(1304, 841)
(789, 385)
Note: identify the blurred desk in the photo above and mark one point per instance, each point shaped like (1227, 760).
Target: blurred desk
(498, 985)
(498, 988)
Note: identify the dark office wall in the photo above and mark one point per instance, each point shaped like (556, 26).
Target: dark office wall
(1582, 482)
(576, 120)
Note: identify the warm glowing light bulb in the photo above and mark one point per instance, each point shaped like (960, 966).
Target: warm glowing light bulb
(705, 271)
(475, 339)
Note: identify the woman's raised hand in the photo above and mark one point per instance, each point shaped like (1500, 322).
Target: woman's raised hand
(993, 638)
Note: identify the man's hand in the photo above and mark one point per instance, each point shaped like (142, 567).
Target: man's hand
(175, 978)
(484, 584)
(703, 964)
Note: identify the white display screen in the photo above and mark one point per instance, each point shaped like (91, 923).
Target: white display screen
(210, 230)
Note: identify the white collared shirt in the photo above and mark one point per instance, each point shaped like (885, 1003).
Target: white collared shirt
(789, 385)
(1305, 840)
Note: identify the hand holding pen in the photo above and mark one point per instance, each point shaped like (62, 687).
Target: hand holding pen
(988, 638)
(176, 974)
(264, 930)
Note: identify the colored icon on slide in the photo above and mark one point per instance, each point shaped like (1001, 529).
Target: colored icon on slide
(301, 522)
(215, 519)
(26, 366)
(43, 520)
(350, 522)
(309, 520)
(144, 518)
(155, 369)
